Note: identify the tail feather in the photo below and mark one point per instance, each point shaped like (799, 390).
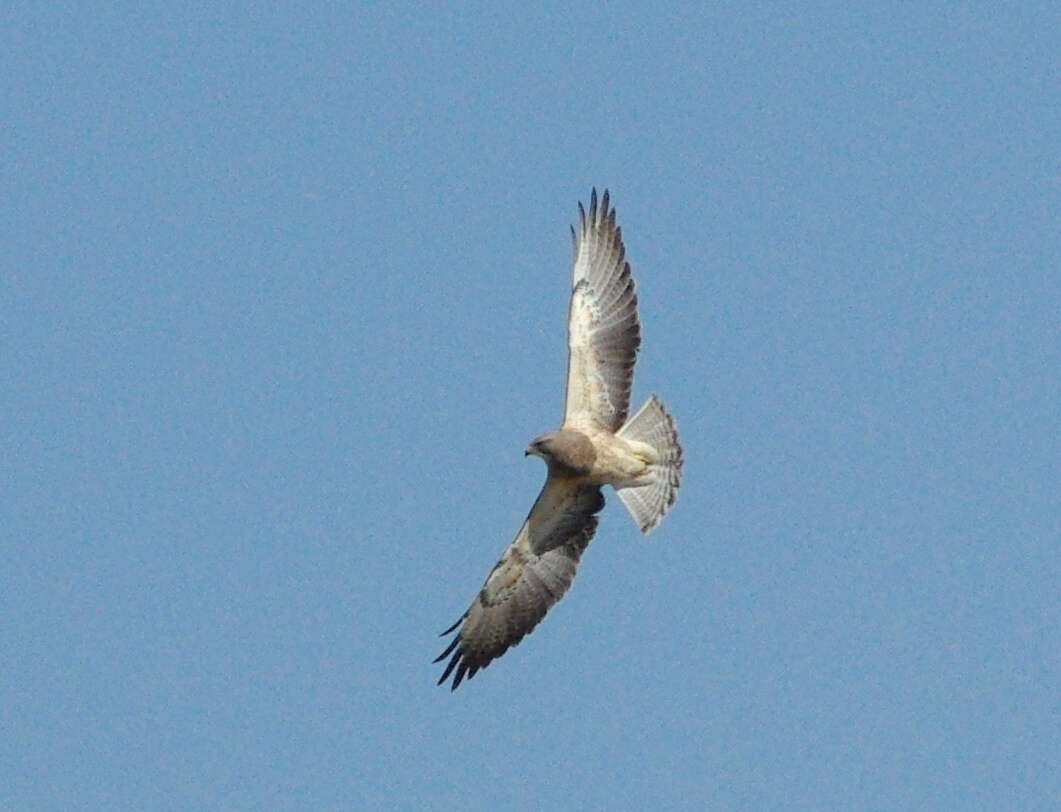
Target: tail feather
(648, 501)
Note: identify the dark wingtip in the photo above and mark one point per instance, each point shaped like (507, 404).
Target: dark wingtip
(455, 625)
(457, 660)
(459, 676)
(450, 666)
(452, 645)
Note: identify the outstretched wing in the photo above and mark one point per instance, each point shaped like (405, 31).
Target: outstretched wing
(533, 574)
(603, 329)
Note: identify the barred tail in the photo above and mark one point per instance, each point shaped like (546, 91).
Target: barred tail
(648, 502)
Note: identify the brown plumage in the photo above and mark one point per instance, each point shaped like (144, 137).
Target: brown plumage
(596, 445)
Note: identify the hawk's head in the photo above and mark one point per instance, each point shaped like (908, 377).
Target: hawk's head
(568, 449)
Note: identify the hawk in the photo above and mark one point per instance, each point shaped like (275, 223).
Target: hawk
(598, 444)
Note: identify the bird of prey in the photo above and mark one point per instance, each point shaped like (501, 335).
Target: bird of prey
(597, 445)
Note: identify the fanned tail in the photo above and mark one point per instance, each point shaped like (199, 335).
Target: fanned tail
(648, 502)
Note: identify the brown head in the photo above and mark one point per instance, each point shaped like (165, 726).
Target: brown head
(567, 449)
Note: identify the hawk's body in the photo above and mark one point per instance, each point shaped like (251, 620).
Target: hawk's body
(597, 445)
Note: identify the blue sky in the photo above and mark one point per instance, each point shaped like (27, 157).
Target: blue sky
(282, 300)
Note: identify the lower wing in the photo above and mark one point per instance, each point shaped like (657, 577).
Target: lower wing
(533, 574)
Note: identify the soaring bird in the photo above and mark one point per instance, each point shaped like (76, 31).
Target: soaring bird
(597, 445)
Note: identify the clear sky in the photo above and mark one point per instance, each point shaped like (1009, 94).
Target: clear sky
(283, 293)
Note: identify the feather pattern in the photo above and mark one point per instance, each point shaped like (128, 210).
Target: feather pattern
(533, 574)
(604, 332)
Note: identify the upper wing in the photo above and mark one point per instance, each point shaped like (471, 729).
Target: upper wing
(533, 574)
(603, 329)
